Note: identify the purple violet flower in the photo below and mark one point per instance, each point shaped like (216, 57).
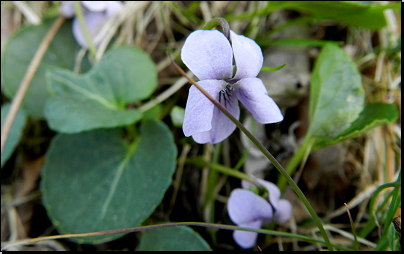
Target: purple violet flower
(94, 12)
(248, 210)
(209, 55)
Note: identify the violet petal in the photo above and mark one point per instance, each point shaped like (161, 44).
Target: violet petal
(222, 126)
(208, 55)
(274, 192)
(113, 7)
(199, 109)
(245, 206)
(96, 6)
(244, 239)
(92, 20)
(283, 212)
(253, 94)
(248, 56)
(67, 9)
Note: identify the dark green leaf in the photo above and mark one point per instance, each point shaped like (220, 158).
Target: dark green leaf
(173, 239)
(348, 12)
(98, 98)
(15, 131)
(94, 181)
(18, 54)
(360, 14)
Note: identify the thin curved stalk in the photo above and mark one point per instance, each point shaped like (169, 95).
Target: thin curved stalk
(166, 225)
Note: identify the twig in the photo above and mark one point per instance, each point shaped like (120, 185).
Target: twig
(22, 90)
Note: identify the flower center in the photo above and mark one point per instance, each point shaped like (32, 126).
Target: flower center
(225, 95)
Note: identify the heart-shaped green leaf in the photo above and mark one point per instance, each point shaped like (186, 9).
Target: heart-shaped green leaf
(81, 114)
(18, 54)
(94, 181)
(373, 115)
(15, 131)
(336, 94)
(173, 239)
(98, 98)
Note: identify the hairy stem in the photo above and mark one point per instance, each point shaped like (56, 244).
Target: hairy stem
(79, 15)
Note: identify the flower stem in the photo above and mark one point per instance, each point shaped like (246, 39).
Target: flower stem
(267, 154)
(79, 15)
(221, 23)
(220, 168)
(263, 192)
(296, 159)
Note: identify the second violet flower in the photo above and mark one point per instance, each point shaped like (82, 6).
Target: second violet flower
(209, 55)
(248, 210)
(94, 12)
